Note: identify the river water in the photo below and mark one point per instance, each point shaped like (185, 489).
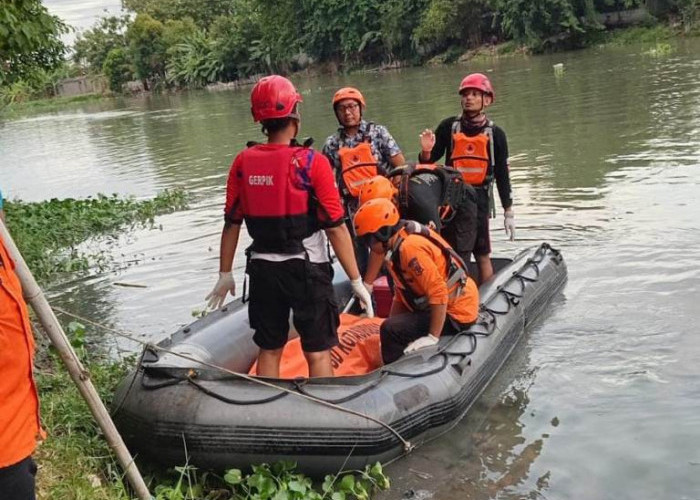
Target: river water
(602, 397)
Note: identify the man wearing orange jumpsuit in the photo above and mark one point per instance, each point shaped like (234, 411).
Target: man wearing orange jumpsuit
(19, 403)
(434, 295)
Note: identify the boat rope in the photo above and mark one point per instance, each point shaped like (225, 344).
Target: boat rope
(487, 320)
(406, 444)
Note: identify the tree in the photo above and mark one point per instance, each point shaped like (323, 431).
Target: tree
(235, 37)
(332, 30)
(193, 62)
(145, 37)
(202, 12)
(29, 39)
(91, 48)
(542, 21)
(117, 69)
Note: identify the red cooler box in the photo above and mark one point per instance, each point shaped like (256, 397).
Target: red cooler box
(382, 296)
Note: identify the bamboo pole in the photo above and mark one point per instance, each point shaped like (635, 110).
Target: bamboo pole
(35, 297)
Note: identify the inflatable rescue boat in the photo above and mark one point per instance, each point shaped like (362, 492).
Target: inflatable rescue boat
(177, 405)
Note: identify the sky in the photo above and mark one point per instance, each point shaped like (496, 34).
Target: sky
(81, 14)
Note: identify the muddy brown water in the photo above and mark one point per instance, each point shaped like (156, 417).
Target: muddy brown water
(602, 397)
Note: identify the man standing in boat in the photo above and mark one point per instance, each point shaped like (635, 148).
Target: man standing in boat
(286, 194)
(478, 149)
(434, 295)
(358, 151)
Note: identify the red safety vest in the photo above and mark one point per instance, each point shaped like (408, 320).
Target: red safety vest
(277, 198)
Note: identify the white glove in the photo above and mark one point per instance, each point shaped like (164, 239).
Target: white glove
(509, 223)
(420, 343)
(360, 291)
(369, 287)
(217, 296)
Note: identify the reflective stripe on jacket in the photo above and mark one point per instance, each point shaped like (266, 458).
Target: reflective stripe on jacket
(472, 155)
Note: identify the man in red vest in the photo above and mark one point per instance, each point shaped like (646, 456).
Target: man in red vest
(287, 195)
(19, 403)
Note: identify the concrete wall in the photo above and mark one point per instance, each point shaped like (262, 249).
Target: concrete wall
(623, 17)
(81, 85)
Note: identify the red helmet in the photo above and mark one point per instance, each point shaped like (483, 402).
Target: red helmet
(477, 81)
(274, 97)
(349, 93)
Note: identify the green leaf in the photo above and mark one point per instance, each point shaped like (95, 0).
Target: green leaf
(233, 477)
(338, 495)
(328, 483)
(347, 483)
(297, 486)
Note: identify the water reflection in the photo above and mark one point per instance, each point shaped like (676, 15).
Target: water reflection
(489, 454)
(604, 166)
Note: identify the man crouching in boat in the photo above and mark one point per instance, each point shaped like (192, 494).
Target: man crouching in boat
(433, 195)
(286, 194)
(434, 296)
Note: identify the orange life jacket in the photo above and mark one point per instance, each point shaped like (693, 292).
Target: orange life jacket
(472, 155)
(19, 403)
(357, 166)
(455, 269)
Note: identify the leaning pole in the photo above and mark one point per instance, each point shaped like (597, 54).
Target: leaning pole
(35, 297)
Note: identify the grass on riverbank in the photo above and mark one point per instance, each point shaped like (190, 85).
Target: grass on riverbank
(75, 462)
(49, 233)
(47, 104)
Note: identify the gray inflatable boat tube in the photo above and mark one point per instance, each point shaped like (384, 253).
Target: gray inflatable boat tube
(171, 410)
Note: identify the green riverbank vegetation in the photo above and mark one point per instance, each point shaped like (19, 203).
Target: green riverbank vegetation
(93, 474)
(175, 44)
(75, 461)
(50, 233)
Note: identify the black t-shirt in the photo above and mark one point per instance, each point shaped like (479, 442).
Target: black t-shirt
(443, 147)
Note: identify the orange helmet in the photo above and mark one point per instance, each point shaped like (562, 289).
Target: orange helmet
(377, 218)
(377, 187)
(349, 93)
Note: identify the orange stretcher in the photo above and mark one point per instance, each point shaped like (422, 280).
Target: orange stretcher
(357, 353)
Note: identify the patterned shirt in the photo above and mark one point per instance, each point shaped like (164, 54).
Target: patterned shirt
(383, 145)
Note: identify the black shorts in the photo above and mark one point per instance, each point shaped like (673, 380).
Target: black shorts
(17, 481)
(460, 232)
(482, 245)
(305, 288)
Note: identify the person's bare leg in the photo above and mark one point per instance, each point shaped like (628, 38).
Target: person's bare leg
(319, 363)
(485, 268)
(269, 362)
